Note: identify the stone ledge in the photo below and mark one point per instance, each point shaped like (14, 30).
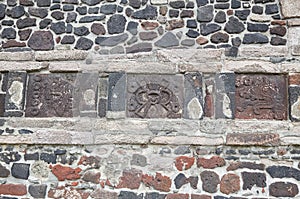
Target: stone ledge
(60, 55)
(22, 66)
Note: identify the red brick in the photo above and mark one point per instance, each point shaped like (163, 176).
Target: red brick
(65, 173)
(159, 182)
(177, 196)
(130, 179)
(184, 162)
(194, 196)
(211, 163)
(230, 183)
(13, 189)
(67, 192)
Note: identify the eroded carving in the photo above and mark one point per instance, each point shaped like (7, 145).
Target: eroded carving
(50, 96)
(261, 97)
(154, 100)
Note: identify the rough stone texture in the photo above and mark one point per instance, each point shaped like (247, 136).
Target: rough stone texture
(252, 179)
(252, 139)
(283, 189)
(41, 40)
(13, 189)
(210, 181)
(283, 172)
(65, 173)
(20, 170)
(230, 183)
(249, 165)
(211, 163)
(37, 191)
(184, 163)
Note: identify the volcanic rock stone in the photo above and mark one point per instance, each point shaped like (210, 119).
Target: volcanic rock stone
(271, 9)
(26, 22)
(191, 23)
(148, 35)
(186, 14)
(26, 3)
(150, 12)
(131, 195)
(276, 41)
(84, 44)
(219, 38)
(43, 3)
(256, 38)
(177, 4)
(250, 179)
(207, 29)
(210, 181)
(91, 2)
(220, 17)
(132, 27)
(55, 7)
(111, 41)
(45, 23)
(58, 15)
(140, 47)
(4, 172)
(201, 2)
(257, 27)
(174, 24)
(16, 12)
(71, 17)
(257, 9)
(81, 31)
(88, 19)
(221, 6)
(116, 24)
(8, 33)
(188, 42)
(192, 33)
(279, 30)
(235, 4)
(98, 29)
(180, 180)
(234, 26)
(2, 11)
(205, 13)
(82, 10)
(37, 191)
(168, 40)
(68, 8)
(108, 9)
(20, 170)
(38, 12)
(59, 27)
(242, 14)
(135, 3)
(230, 183)
(283, 189)
(41, 40)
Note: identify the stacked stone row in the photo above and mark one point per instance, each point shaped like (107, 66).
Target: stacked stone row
(129, 26)
(65, 172)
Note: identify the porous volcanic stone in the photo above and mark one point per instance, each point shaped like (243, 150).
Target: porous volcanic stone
(38, 12)
(242, 14)
(283, 189)
(116, 24)
(234, 26)
(168, 40)
(219, 38)
(45, 23)
(88, 19)
(41, 40)
(82, 10)
(235, 4)
(202, 2)
(4, 172)
(16, 12)
(26, 22)
(257, 9)
(111, 41)
(192, 33)
(84, 43)
(2, 11)
(140, 47)
(135, 3)
(210, 181)
(58, 15)
(250, 179)
(98, 29)
(205, 13)
(20, 170)
(230, 183)
(177, 4)
(148, 35)
(132, 27)
(220, 17)
(81, 31)
(91, 2)
(180, 180)
(37, 191)
(256, 38)
(43, 3)
(276, 41)
(150, 12)
(59, 27)
(279, 30)
(131, 195)
(257, 27)
(108, 9)
(283, 172)
(271, 9)
(8, 33)
(207, 29)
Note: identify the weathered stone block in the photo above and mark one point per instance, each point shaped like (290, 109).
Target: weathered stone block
(20, 170)
(283, 189)
(250, 179)
(37, 191)
(193, 97)
(155, 96)
(249, 139)
(290, 8)
(116, 92)
(230, 183)
(210, 181)
(261, 97)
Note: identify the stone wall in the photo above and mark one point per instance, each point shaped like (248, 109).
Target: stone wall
(157, 99)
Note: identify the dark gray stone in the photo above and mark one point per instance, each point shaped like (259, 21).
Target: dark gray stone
(38, 12)
(190, 5)
(182, 150)
(20, 170)
(263, 1)
(186, 14)
(177, 4)
(116, 91)
(235, 4)
(180, 180)
(135, 3)
(81, 31)
(221, 6)
(271, 9)
(220, 17)
(257, 9)
(91, 2)
(55, 7)
(132, 27)
(37, 191)
(242, 14)
(88, 19)
(7, 22)
(234, 26)
(141, 47)
(173, 13)
(108, 9)
(31, 156)
(11, 2)
(84, 44)
(188, 42)
(116, 24)
(207, 29)
(25, 131)
(102, 107)
(205, 13)
(168, 40)
(9, 157)
(155, 195)
(138, 160)
(68, 8)
(68, 39)
(219, 37)
(191, 23)
(150, 12)
(26, 22)
(16, 12)
(252, 178)
(43, 3)
(4, 172)
(201, 2)
(210, 181)
(283, 172)
(129, 195)
(257, 27)
(192, 33)
(8, 33)
(236, 41)
(283, 189)
(98, 29)
(111, 41)
(69, 28)
(232, 51)
(276, 41)
(45, 23)
(58, 15)
(255, 38)
(128, 12)
(59, 27)
(82, 10)
(48, 157)
(71, 17)
(120, 9)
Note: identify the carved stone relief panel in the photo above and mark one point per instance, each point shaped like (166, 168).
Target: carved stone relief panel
(155, 96)
(261, 97)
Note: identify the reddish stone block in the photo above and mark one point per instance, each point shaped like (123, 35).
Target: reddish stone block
(177, 196)
(65, 173)
(148, 25)
(211, 163)
(294, 79)
(159, 182)
(241, 165)
(184, 162)
(249, 139)
(130, 179)
(261, 97)
(230, 183)
(67, 192)
(13, 189)
(194, 196)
